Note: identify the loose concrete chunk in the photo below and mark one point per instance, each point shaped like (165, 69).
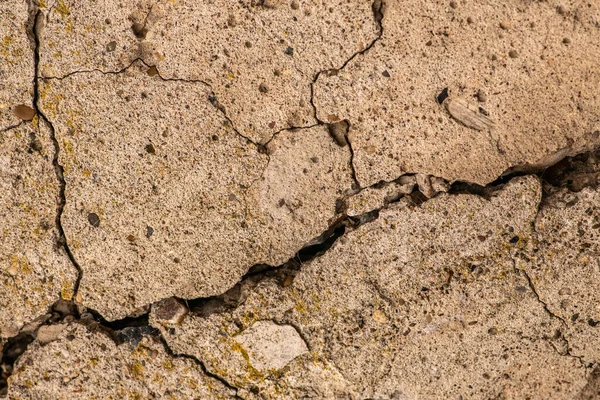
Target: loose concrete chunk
(541, 92)
(34, 269)
(165, 199)
(169, 311)
(83, 364)
(373, 198)
(16, 62)
(49, 333)
(271, 346)
(260, 61)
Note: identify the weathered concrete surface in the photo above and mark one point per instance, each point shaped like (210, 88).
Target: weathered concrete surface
(424, 302)
(531, 66)
(566, 270)
(261, 199)
(34, 269)
(83, 364)
(260, 60)
(16, 61)
(164, 198)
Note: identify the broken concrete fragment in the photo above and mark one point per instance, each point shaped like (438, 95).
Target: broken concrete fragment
(542, 95)
(169, 311)
(16, 62)
(34, 269)
(24, 112)
(431, 307)
(468, 115)
(49, 333)
(374, 198)
(271, 346)
(84, 364)
(217, 204)
(259, 62)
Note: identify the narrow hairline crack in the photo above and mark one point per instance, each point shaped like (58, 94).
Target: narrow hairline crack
(199, 363)
(552, 315)
(378, 7)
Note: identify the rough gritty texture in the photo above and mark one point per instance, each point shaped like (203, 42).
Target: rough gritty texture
(284, 199)
(419, 316)
(81, 364)
(259, 60)
(34, 269)
(566, 271)
(16, 65)
(539, 90)
(161, 182)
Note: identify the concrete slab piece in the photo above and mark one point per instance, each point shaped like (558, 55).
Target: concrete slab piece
(530, 69)
(16, 62)
(165, 199)
(432, 306)
(83, 364)
(34, 269)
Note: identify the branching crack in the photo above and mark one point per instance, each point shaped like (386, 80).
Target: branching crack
(563, 323)
(199, 363)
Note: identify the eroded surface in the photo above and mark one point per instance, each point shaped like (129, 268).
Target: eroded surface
(80, 364)
(280, 199)
(528, 66)
(419, 316)
(34, 269)
(16, 68)
(172, 187)
(260, 59)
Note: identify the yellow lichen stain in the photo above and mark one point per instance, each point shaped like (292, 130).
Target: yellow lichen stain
(19, 265)
(168, 365)
(87, 173)
(6, 42)
(253, 373)
(66, 291)
(62, 9)
(301, 307)
(68, 147)
(137, 369)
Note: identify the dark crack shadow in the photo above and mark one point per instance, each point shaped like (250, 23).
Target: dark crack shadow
(62, 241)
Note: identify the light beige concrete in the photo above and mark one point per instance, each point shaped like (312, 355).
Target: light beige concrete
(259, 60)
(16, 62)
(528, 67)
(83, 364)
(164, 198)
(424, 302)
(34, 269)
(284, 199)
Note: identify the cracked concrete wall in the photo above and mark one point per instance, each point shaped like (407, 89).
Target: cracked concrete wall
(284, 199)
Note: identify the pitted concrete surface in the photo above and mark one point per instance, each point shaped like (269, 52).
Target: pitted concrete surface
(283, 199)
